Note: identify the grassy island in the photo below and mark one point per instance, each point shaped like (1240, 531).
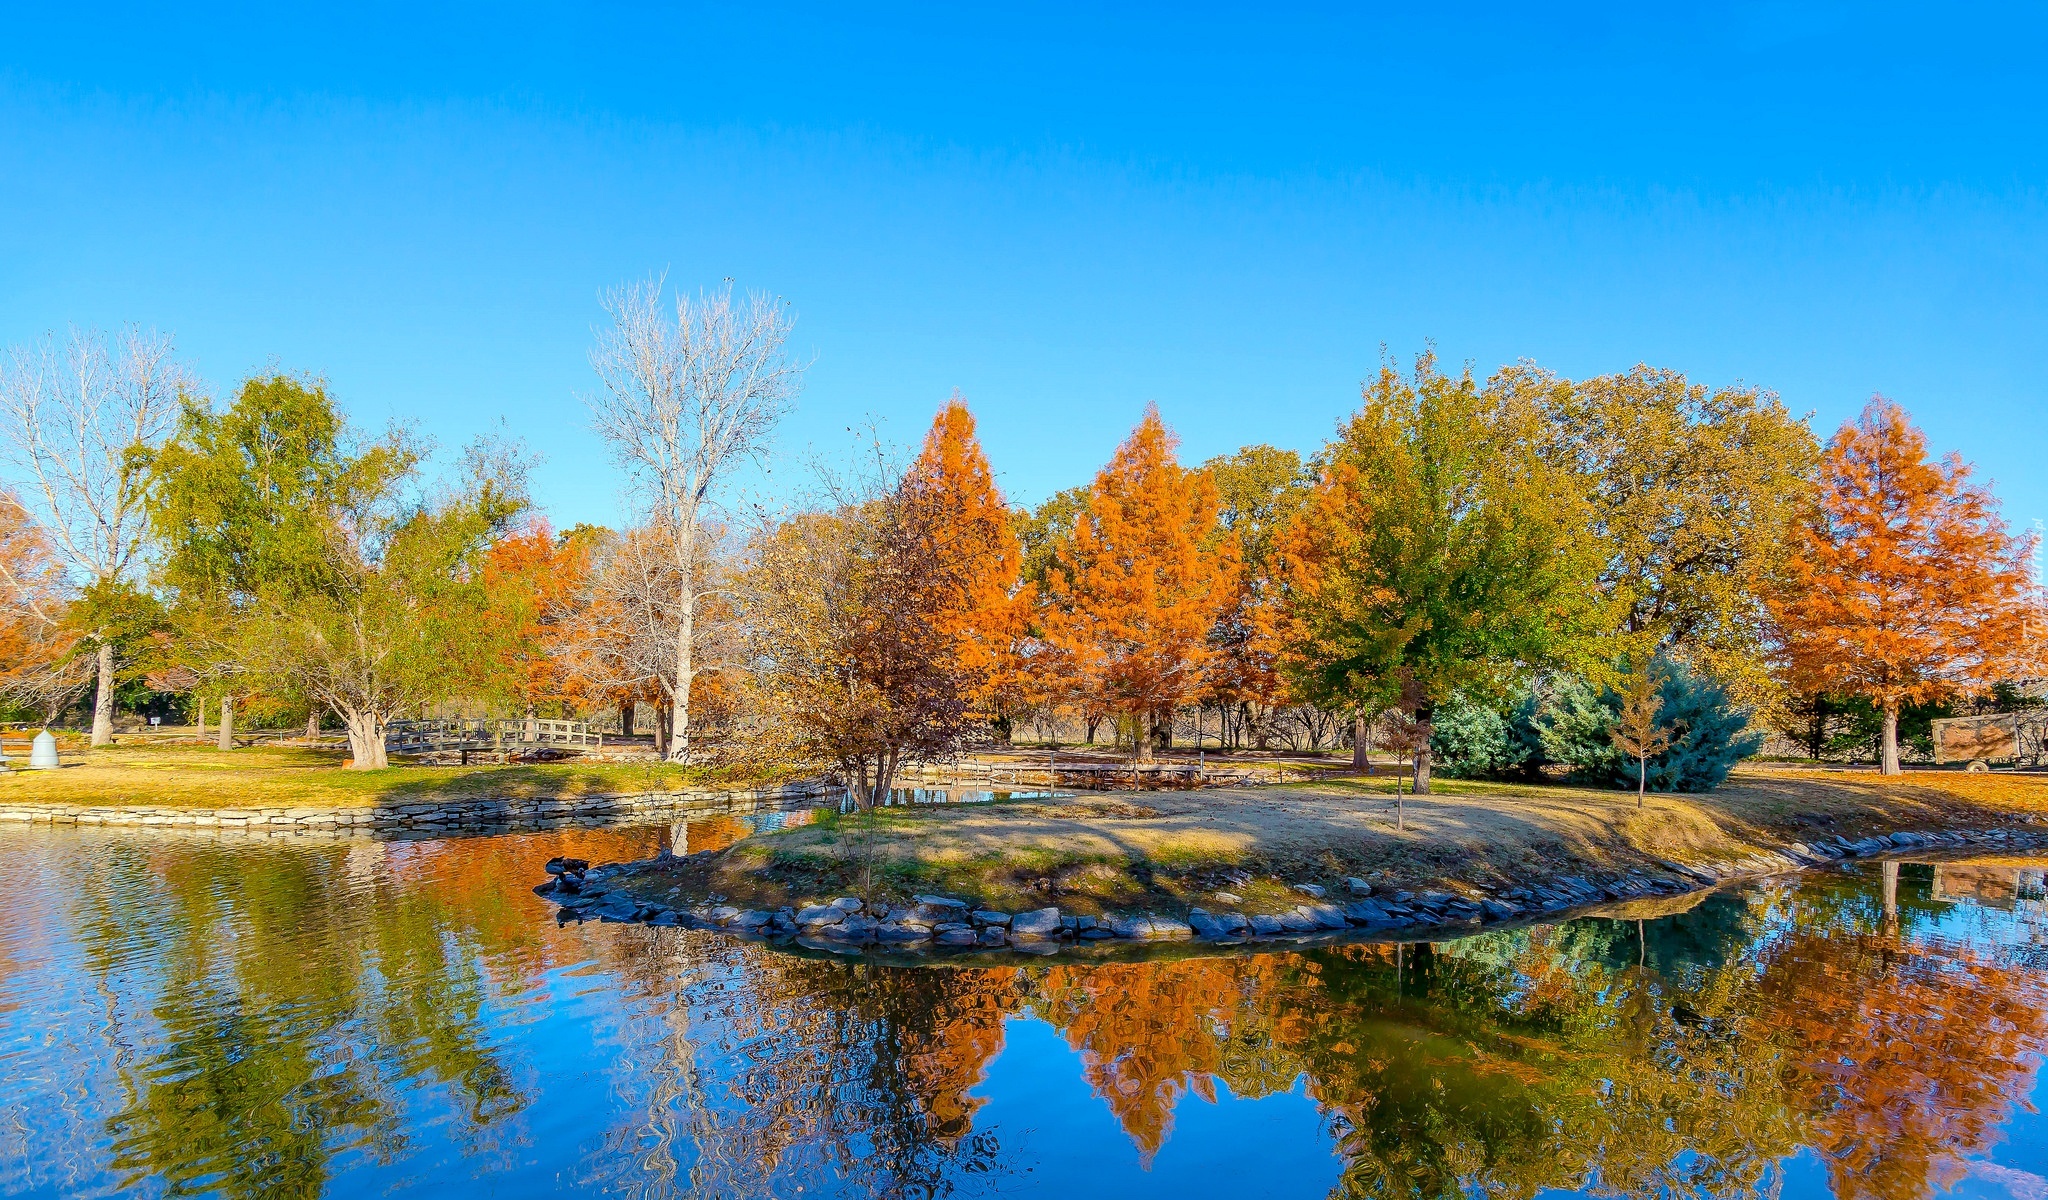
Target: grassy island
(1164, 852)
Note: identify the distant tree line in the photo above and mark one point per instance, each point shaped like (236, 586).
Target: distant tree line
(1625, 577)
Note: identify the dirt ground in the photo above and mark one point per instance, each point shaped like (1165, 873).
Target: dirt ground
(1158, 847)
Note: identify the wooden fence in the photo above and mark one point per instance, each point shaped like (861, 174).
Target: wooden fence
(1053, 771)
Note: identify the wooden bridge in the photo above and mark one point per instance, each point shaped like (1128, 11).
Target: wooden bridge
(503, 736)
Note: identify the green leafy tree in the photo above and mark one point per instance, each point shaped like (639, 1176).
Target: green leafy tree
(1694, 494)
(303, 562)
(1475, 739)
(1439, 543)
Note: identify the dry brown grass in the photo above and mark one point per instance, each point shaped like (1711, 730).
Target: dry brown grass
(1101, 851)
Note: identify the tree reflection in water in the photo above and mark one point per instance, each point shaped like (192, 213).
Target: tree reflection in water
(283, 1018)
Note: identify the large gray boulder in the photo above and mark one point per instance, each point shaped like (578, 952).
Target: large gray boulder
(1038, 923)
(1325, 916)
(855, 928)
(820, 914)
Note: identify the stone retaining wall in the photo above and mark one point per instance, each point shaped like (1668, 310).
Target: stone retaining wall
(422, 815)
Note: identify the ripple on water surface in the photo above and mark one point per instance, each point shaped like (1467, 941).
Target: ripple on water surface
(186, 1014)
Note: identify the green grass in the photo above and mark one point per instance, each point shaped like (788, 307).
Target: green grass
(192, 776)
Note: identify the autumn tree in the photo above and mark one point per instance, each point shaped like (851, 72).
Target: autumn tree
(40, 668)
(848, 612)
(73, 410)
(1640, 732)
(983, 617)
(1258, 489)
(1438, 545)
(1141, 580)
(534, 581)
(1904, 584)
(1694, 493)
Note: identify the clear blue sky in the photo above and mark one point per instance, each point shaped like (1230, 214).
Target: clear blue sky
(1064, 212)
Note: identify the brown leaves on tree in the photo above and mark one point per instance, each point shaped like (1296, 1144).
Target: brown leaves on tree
(1904, 586)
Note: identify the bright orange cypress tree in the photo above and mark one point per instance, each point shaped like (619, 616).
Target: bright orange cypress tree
(987, 617)
(1905, 586)
(533, 579)
(1140, 583)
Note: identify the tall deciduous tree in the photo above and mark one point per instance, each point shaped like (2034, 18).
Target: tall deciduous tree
(1439, 544)
(308, 566)
(1258, 489)
(1141, 580)
(1695, 493)
(535, 582)
(984, 617)
(73, 410)
(848, 614)
(688, 395)
(1905, 585)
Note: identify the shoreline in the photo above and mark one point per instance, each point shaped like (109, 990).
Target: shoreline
(936, 928)
(427, 814)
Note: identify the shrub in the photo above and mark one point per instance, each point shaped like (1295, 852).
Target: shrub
(1576, 727)
(1474, 740)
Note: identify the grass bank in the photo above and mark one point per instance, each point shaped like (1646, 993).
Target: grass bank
(200, 777)
(1163, 852)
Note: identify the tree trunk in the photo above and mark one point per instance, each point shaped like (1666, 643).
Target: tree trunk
(313, 725)
(625, 718)
(686, 662)
(365, 741)
(1425, 723)
(227, 723)
(103, 698)
(1359, 762)
(1642, 779)
(1817, 732)
(1092, 723)
(663, 730)
(1144, 747)
(1889, 764)
(199, 716)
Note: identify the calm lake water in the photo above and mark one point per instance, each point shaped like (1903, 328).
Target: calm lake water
(186, 1015)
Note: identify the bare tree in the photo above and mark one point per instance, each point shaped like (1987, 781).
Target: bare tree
(686, 398)
(74, 408)
(620, 639)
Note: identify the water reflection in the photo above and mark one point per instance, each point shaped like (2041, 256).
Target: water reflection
(188, 1015)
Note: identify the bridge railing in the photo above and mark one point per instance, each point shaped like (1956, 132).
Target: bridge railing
(502, 734)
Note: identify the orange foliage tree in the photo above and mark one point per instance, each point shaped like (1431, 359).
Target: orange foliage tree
(984, 617)
(1904, 585)
(1140, 583)
(534, 580)
(38, 666)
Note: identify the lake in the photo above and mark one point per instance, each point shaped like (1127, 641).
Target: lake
(240, 1016)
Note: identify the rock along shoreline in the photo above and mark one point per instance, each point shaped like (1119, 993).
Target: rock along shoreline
(425, 814)
(847, 925)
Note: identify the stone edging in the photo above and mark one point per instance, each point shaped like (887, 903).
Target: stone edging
(421, 815)
(946, 922)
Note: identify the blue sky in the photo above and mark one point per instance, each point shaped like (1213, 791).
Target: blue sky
(1062, 211)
